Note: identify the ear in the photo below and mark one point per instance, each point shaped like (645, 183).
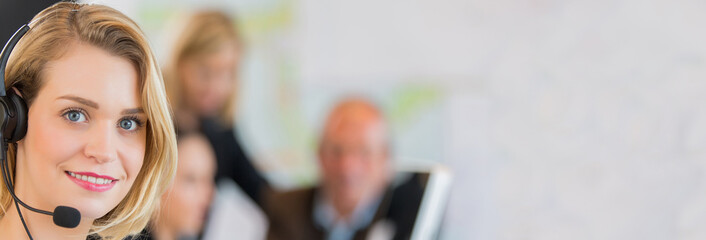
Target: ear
(19, 146)
(17, 91)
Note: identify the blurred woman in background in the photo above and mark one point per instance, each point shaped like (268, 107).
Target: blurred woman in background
(186, 202)
(201, 78)
(184, 207)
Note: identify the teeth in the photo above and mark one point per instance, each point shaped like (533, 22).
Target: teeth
(94, 180)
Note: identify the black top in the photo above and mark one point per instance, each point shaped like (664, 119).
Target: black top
(144, 235)
(233, 163)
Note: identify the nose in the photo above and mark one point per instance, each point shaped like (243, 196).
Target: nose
(349, 164)
(101, 144)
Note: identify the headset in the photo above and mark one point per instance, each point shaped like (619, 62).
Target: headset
(13, 127)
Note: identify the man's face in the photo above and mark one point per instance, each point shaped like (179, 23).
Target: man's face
(353, 159)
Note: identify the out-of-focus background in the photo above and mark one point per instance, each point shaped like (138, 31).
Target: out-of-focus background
(559, 119)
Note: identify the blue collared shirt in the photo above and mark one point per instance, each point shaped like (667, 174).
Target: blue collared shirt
(337, 228)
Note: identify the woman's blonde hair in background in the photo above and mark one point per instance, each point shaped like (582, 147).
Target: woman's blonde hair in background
(202, 33)
(104, 27)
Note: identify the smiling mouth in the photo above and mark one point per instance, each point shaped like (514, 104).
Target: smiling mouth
(92, 178)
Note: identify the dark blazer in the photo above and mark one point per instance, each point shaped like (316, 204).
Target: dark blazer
(232, 162)
(291, 213)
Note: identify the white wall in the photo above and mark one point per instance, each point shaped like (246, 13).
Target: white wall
(561, 119)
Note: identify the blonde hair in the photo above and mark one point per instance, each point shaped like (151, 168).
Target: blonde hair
(202, 34)
(110, 30)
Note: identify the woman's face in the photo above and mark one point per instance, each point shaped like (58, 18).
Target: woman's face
(186, 202)
(85, 141)
(209, 80)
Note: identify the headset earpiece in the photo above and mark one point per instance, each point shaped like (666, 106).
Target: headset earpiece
(14, 119)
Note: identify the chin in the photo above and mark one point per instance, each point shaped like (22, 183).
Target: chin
(190, 229)
(94, 208)
(350, 200)
(90, 204)
(209, 111)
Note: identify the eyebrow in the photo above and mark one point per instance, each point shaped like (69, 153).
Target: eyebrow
(80, 100)
(132, 111)
(93, 104)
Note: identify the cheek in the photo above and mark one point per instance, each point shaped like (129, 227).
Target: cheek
(193, 85)
(189, 81)
(171, 209)
(223, 87)
(51, 141)
(376, 166)
(181, 202)
(327, 169)
(133, 155)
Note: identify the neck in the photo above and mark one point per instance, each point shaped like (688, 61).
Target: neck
(344, 211)
(346, 207)
(40, 226)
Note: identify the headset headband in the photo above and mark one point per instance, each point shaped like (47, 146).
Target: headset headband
(5, 55)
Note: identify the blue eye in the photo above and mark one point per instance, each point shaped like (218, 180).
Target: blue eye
(75, 116)
(128, 124)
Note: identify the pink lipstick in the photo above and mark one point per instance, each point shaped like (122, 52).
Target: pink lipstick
(92, 181)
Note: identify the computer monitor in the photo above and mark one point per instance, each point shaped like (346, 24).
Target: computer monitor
(419, 201)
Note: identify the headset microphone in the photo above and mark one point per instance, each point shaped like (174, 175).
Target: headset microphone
(13, 127)
(63, 216)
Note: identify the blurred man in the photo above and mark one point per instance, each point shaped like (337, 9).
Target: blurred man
(353, 199)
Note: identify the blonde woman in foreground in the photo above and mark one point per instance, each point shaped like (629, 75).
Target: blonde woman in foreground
(99, 136)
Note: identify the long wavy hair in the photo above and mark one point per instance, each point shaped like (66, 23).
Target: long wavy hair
(112, 31)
